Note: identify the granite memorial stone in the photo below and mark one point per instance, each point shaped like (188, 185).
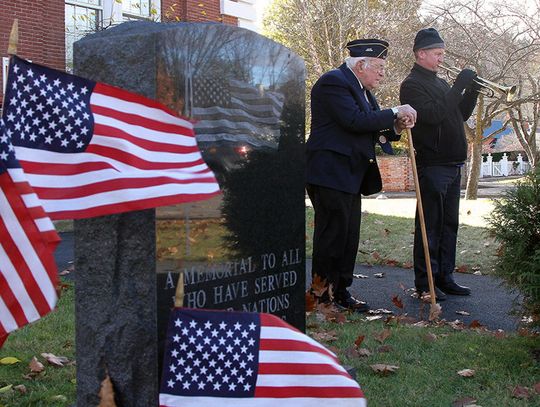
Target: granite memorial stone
(243, 250)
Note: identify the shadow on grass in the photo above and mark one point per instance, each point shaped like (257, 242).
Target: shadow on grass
(388, 240)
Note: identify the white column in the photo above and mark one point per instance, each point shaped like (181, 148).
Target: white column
(520, 163)
(489, 161)
(504, 165)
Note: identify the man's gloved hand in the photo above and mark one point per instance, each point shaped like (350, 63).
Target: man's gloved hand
(464, 79)
(475, 86)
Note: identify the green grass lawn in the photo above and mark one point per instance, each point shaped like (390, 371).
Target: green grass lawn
(388, 240)
(54, 386)
(429, 359)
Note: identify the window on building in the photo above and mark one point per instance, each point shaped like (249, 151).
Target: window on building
(137, 9)
(86, 16)
(81, 18)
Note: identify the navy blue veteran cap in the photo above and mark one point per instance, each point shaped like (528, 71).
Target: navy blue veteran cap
(369, 47)
(428, 38)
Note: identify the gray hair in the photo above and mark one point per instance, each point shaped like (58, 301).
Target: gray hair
(352, 61)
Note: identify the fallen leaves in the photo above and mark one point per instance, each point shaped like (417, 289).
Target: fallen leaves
(106, 393)
(464, 402)
(521, 392)
(359, 340)
(467, 372)
(383, 335)
(384, 369)
(36, 366)
(397, 301)
(435, 311)
(60, 361)
(9, 360)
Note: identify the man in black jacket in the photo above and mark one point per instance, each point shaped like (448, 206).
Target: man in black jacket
(441, 150)
(346, 123)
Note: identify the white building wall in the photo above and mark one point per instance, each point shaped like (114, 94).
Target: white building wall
(244, 10)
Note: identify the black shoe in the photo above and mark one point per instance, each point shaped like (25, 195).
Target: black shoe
(454, 288)
(347, 301)
(439, 295)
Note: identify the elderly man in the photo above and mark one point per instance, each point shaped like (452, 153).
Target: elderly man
(346, 123)
(441, 149)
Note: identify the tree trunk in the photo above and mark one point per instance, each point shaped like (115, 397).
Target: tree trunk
(476, 154)
(474, 170)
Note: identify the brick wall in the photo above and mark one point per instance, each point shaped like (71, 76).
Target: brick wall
(195, 10)
(396, 172)
(41, 30)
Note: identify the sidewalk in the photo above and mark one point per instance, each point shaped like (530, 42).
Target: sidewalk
(490, 303)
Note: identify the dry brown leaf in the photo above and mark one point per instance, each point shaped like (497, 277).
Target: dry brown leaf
(435, 311)
(467, 372)
(318, 286)
(499, 334)
(106, 393)
(384, 369)
(376, 255)
(407, 265)
(397, 301)
(363, 352)
(359, 340)
(36, 366)
(385, 349)
(457, 325)
(430, 337)
(463, 313)
(464, 402)
(55, 360)
(383, 335)
(462, 269)
(324, 336)
(536, 387)
(475, 324)
(310, 302)
(392, 262)
(520, 392)
(21, 388)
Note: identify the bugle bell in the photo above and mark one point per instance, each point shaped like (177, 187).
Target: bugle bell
(488, 88)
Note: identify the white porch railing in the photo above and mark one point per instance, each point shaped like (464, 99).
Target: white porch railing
(504, 167)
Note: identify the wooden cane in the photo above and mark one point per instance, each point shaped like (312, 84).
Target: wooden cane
(421, 218)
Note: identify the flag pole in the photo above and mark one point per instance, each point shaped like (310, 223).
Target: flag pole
(12, 47)
(13, 38)
(421, 218)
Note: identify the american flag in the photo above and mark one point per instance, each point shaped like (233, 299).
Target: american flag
(231, 110)
(91, 149)
(248, 359)
(28, 274)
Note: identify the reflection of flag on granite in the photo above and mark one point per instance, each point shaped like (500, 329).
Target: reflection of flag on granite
(28, 239)
(90, 149)
(240, 359)
(232, 110)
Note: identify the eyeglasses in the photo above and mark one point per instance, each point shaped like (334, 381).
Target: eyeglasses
(377, 68)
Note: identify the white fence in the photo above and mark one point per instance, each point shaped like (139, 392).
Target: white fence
(503, 168)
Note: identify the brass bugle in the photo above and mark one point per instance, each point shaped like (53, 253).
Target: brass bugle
(489, 88)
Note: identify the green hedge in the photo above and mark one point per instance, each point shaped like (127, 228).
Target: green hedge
(515, 222)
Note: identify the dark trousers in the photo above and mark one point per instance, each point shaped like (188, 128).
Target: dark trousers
(440, 191)
(336, 235)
